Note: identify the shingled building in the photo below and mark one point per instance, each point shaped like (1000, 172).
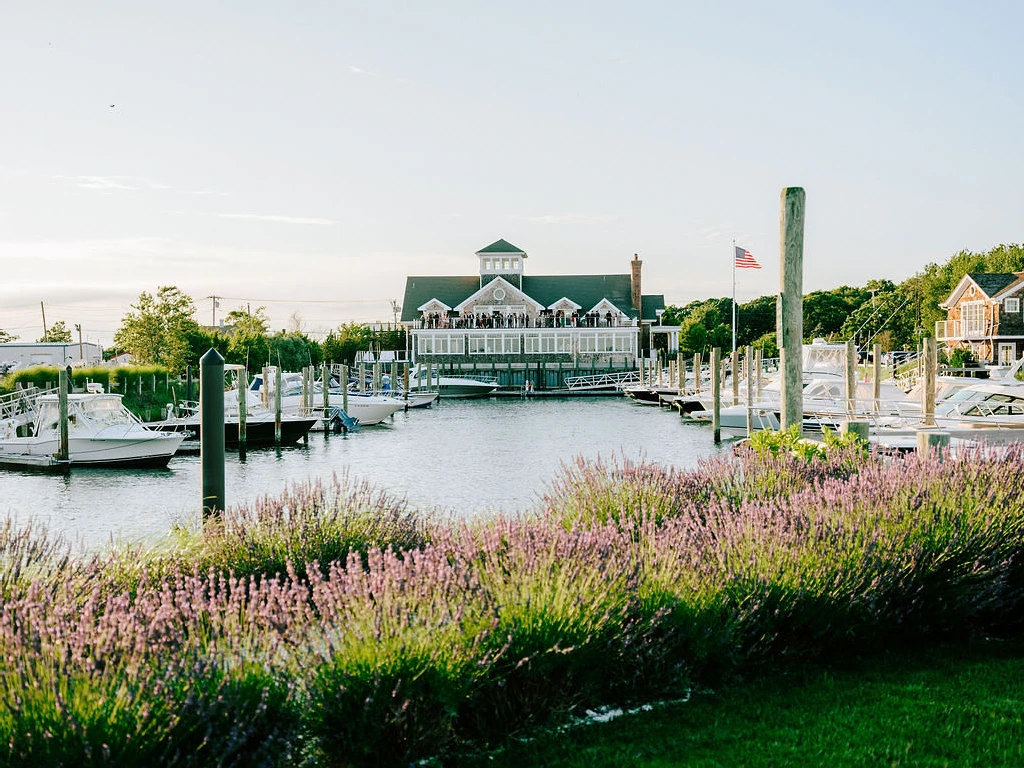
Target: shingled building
(503, 316)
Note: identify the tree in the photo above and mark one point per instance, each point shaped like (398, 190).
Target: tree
(5, 336)
(157, 329)
(57, 333)
(247, 342)
(341, 345)
(248, 324)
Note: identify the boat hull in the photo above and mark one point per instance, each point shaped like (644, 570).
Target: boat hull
(146, 451)
(257, 432)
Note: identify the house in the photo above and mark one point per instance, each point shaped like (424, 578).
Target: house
(983, 314)
(502, 316)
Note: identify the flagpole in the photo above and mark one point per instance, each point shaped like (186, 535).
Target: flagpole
(733, 298)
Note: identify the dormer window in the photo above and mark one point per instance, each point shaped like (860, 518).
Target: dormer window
(1011, 306)
(515, 263)
(487, 263)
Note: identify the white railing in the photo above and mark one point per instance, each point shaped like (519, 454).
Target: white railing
(602, 381)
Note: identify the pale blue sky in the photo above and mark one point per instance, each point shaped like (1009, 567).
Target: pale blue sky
(308, 156)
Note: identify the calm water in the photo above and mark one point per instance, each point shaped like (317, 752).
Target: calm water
(464, 456)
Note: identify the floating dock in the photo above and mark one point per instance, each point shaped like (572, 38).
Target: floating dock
(34, 461)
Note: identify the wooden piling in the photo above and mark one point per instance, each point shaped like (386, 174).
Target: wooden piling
(243, 410)
(790, 320)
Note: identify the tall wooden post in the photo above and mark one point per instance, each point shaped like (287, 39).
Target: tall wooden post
(749, 370)
(790, 308)
(325, 392)
(851, 377)
(696, 374)
(344, 389)
(734, 364)
(211, 431)
(716, 393)
(63, 385)
(928, 393)
(277, 405)
(243, 410)
(876, 376)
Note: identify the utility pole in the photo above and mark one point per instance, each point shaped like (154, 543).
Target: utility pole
(395, 309)
(46, 336)
(214, 303)
(81, 356)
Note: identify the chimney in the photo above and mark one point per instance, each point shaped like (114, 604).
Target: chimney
(634, 282)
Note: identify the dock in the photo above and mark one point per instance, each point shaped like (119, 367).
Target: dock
(34, 461)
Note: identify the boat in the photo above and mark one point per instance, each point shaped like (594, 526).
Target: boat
(102, 432)
(450, 386)
(260, 424)
(367, 409)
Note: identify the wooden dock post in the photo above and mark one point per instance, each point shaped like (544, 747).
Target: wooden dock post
(749, 370)
(211, 432)
(716, 394)
(696, 374)
(850, 377)
(344, 389)
(325, 393)
(930, 363)
(63, 385)
(790, 320)
(876, 376)
(243, 410)
(734, 364)
(277, 406)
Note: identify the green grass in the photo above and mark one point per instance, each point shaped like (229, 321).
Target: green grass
(949, 706)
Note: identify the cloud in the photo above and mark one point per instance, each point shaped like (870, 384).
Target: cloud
(128, 183)
(105, 183)
(359, 71)
(571, 218)
(280, 219)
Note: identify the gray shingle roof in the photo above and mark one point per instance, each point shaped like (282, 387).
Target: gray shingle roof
(501, 246)
(992, 282)
(585, 290)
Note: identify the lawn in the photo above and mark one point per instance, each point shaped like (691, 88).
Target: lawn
(960, 705)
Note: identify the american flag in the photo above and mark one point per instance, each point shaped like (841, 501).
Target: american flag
(744, 259)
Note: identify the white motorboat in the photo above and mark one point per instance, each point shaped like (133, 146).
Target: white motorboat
(101, 433)
(367, 409)
(449, 386)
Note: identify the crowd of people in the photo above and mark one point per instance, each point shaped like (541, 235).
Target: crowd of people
(545, 319)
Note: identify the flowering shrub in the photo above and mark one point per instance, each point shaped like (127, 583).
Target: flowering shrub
(332, 626)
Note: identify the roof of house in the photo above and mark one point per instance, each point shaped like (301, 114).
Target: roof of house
(585, 290)
(501, 246)
(990, 283)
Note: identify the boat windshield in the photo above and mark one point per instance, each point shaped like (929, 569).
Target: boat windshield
(973, 402)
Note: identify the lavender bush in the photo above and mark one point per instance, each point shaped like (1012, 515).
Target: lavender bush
(334, 626)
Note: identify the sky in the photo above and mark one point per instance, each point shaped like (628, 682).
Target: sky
(306, 157)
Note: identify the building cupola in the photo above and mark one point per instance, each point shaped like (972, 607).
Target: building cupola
(501, 259)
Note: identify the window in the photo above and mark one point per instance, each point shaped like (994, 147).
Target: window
(441, 344)
(972, 316)
(487, 263)
(1011, 305)
(504, 263)
(515, 263)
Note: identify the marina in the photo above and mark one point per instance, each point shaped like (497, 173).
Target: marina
(461, 457)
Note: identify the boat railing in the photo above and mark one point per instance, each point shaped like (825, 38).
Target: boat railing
(19, 406)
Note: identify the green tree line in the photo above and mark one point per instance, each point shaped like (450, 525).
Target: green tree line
(160, 329)
(894, 315)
